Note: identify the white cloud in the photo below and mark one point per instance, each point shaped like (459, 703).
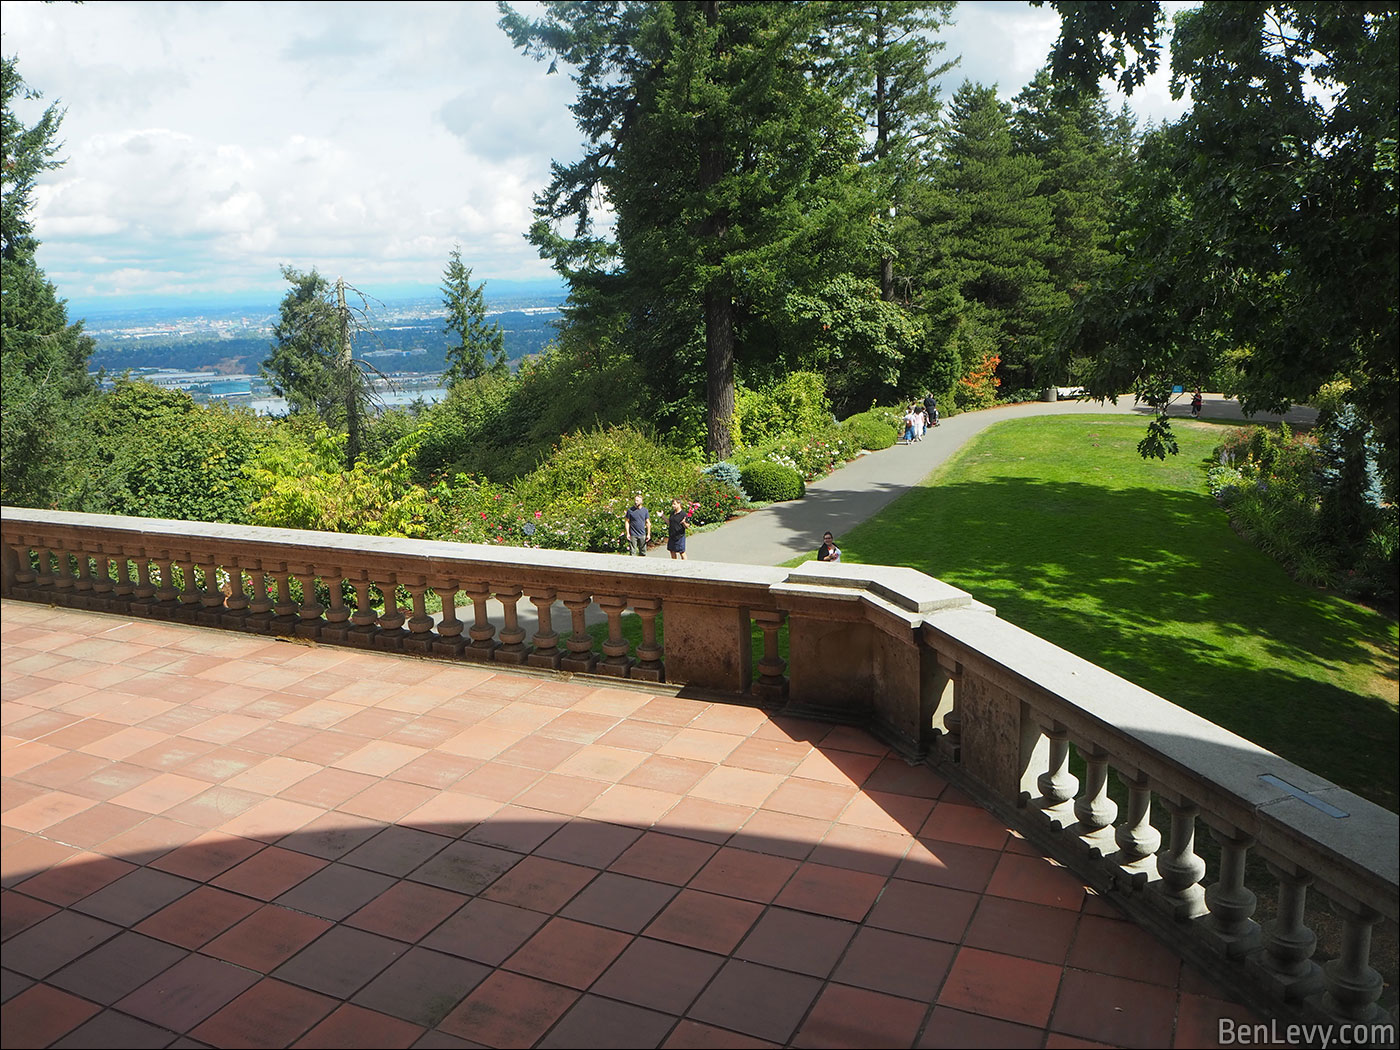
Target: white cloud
(207, 144)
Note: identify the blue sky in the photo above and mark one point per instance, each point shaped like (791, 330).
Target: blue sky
(208, 144)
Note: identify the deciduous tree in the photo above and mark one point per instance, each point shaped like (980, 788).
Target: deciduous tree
(1273, 238)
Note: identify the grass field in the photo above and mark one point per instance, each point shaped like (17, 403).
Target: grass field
(1067, 532)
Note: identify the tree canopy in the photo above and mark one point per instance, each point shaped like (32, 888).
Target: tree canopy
(312, 362)
(728, 171)
(44, 357)
(1266, 233)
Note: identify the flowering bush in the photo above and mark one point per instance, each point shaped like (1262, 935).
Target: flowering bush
(714, 499)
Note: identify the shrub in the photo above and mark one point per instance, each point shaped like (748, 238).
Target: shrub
(714, 499)
(794, 404)
(728, 473)
(873, 430)
(770, 482)
(813, 455)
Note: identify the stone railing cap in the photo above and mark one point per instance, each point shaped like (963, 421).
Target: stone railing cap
(906, 588)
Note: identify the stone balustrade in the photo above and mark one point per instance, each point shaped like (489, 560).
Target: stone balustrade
(921, 664)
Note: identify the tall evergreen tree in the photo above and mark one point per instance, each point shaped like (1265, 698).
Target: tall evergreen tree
(311, 361)
(480, 345)
(44, 356)
(1080, 146)
(886, 63)
(727, 168)
(988, 236)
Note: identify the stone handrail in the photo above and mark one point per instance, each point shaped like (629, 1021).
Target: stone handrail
(922, 664)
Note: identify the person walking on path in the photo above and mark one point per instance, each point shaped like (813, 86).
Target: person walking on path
(931, 409)
(828, 551)
(638, 527)
(909, 420)
(675, 530)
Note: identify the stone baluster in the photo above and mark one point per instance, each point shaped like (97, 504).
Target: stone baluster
(512, 649)
(189, 595)
(420, 624)
(483, 633)
(260, 605)
(235, 612)
(391, 633)
(144, 593)
(449, 640)
(772, 681)
(123, 587)
(102, 582)
(1094, 811)
(82, 582)
(1231, 905)
(284, 609)
(580, 656)
(1179, 866)
(651, 666)
(309, 620)
(23, 575)
(545, 650)
(615, 660)
(166, 593)
(63, 577)
(1057, 785)
(1351, 985)
(44, 576)
(364, 620)
(337, 624)
(1286, 964)
(940, 710)
(212, 599)
(1136, 838)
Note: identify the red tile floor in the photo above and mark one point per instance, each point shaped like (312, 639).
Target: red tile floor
(213, 839)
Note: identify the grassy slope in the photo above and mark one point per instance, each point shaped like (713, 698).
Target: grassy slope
(1067, 532)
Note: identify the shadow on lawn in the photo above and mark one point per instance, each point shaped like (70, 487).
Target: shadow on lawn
(1157, 588)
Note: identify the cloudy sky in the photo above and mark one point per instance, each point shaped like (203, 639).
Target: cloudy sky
(207, 144)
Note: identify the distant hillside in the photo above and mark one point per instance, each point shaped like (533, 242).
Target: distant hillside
(407, 337)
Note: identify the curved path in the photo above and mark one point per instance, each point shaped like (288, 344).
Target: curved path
(863, 487)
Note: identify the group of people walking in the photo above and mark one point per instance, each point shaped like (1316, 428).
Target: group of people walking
(921, 416)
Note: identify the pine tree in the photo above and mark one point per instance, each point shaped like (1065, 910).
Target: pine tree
(988, 238)
(480, 345)
(44, 356)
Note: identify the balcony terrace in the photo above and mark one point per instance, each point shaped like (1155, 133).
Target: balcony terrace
(240, 815)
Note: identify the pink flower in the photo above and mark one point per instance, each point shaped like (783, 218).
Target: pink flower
(539, 514)
(483, 515)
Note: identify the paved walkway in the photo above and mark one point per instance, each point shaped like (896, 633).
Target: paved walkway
(863, 487)
(213, 839)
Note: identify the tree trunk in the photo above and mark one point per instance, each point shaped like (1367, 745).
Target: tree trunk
(719, 371)
(347, 377)
(719, 303)
(882, 143)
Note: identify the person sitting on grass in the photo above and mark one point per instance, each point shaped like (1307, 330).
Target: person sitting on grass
(828, 551)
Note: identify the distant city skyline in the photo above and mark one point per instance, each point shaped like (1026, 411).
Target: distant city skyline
(208, 144)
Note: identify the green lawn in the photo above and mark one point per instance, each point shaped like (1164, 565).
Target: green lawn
(1067, 532)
